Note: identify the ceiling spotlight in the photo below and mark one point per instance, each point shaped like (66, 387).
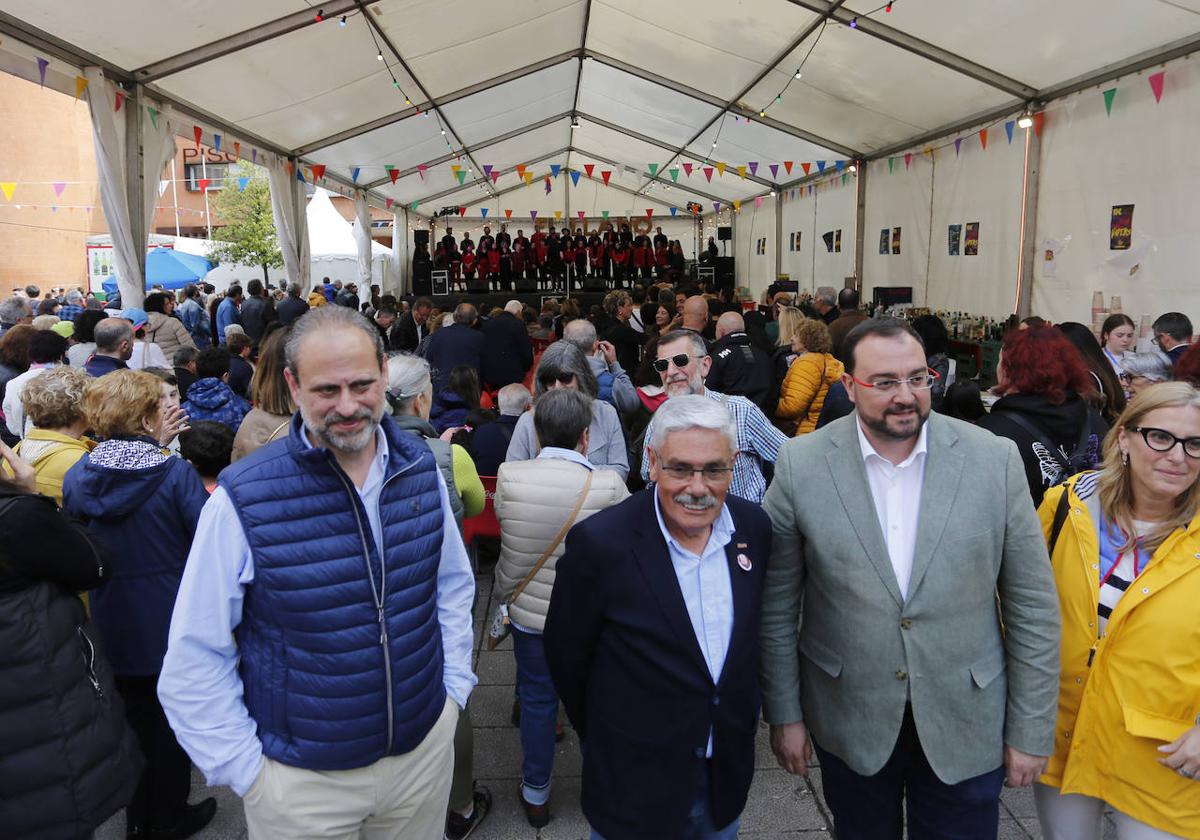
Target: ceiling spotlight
(574, 122)
(799, 75)
(853, 168)
(1026, 120)
(379, 56)
(407, 101)
(319, 16)
(342, 22)
(772, 193)
(443, 132)
(854, 23)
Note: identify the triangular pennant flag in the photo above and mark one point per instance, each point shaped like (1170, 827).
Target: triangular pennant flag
(153, 112)
(649, 212)
(291, 168)
(394, 174)
(546, 181)
(653, 169)
(520, 170)
(59, 186)
(254, 155)
(1039, 120)
(674, 210)
(455, 168)
(907, 159)
(1008, 129)
(557, 215)
(774, 167)
(483, 212)
(604, 215)
(533, 215)
(203, 184)
(7, 187)
(820, 167)
(708, 171)
(242, 182)
(957, 145)
(318, 170)
(197, 132)
(555, 168)
(415, 205)
(741, 170)
(421, 169)
(1109, 95)
(120, 100)
(674, 173)
(845, 175)
(929, 152)
(354, 174)
(462, 211)
(300, 175)
(487, 170)
(721, 169)
(80, 86)
(508, 214)
(217, 142)
(737, 205)
(841, 164)
(753, 167)
(716, 207)
(588, 167)
(390, 202)
(687, 169)
(575, 177)
(806, 166)
(983, 135)
(42, 64)
(787, 167)
(605, 174)
(237, 149)
(891, 164)
(528, 176)
(461, 175)
(1156, 84)
(495, 176)
(757, 201)
(581, 214)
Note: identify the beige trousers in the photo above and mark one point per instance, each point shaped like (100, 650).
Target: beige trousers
(400, 797)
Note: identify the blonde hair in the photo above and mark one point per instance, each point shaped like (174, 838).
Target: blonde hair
(267, 385)
(1115, 483)
(789, 318)
(117, 403)
(54, 400)
(813, 335)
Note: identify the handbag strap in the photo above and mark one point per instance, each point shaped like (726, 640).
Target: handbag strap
(537, 567)
(278, 429)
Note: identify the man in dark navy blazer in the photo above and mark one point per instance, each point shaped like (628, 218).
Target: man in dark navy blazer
(652, 639)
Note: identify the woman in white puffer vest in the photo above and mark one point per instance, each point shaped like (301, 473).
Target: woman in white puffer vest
(534, 501)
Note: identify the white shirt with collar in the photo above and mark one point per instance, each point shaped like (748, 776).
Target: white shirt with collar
(566, 455)
(896, 491)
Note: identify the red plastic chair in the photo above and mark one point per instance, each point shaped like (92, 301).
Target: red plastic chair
(484, 524)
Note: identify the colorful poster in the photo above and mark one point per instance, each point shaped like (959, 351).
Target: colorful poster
(798, 233)
(1120, 232)
(828, 237)
(791, 242)
(837, 241)
(885, 240)
(954, 237)
(896, 240)
(971, 244)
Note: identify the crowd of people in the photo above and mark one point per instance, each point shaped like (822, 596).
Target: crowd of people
(710, 513)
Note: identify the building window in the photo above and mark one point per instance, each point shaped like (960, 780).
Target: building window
(216, 173)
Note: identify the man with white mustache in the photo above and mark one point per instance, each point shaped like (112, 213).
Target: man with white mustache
(652, 638)
(683, 363)
(320, 648)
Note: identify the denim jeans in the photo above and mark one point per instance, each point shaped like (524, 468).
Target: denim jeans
(539, 715)
(700, 820)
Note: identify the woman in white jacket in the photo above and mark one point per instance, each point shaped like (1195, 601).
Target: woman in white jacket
(535, 502)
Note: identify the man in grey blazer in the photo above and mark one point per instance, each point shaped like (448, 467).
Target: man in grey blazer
(926, 668)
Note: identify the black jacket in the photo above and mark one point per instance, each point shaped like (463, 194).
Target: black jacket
(68, 761)
(507, 353)
(1062, 425)
(256, 313)
(738, 367)
(489, 444)
(450, 347)
(289, 309)
(405, 335)
(628, 343)
(628, 668)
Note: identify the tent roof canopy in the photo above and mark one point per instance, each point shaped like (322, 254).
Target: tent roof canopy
(653, 86)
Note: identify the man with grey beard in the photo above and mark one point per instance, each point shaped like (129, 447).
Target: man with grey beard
(652, 637)
(320, 647)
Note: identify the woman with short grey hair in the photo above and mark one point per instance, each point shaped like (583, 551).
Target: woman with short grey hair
(1141, 370)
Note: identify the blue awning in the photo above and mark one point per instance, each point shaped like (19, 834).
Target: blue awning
(170, 269)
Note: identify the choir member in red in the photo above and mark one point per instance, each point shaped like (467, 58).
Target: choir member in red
(517, 260)
(620, 259)
(504, 249)
(522, 240)
(598, 258)
(494, 259)
(568, 253)
(468, 263)
(637, 260)
(541, 252)
(482, 263)
(487, 237)
(662, 257)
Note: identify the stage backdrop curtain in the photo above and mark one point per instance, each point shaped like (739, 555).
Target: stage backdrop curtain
(291, 222)
(362, 238)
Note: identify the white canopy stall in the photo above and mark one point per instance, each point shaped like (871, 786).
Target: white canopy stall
(333, 246)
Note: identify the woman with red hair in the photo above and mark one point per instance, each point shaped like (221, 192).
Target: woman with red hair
(1043, 382)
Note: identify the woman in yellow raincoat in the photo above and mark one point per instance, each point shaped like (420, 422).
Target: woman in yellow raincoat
(1125, 547)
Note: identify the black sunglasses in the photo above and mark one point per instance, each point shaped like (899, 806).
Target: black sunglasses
(680, 360)
(548, 379)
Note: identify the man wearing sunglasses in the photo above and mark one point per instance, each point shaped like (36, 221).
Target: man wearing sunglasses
(927, 666)
(683, 363)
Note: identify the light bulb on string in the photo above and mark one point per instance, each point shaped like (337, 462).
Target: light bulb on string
(319, 16)
(342, 22)
(799, 74)
(379, 56)
(762, 114)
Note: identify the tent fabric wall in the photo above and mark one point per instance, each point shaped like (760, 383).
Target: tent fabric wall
(900, 198)
(1143, 154)
(751, 269)
(399, 270)
(291, 224)
(800, 217)
(836, 208)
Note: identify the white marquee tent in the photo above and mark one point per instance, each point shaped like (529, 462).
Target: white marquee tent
(333, 246)
(903, 118)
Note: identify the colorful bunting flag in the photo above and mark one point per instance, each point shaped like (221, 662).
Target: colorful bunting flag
(604, 215)
(721, 169)
(674, 173)
(820, 167)
(461, 175)
(394, 174)
(757, 201)
(508, 214)
(754, 167)
(42, 64)
(254, 155)
(527, 177)
(455, 168)
(741, 170)
(291, 168)
(674, 210)
(153, 112)
(806, 166)
(841, 164)
(354, 174)
(983, 135)
(216, 140)
(555, 168)
(80, 86)
(774, 167)
(7, 187)
(318, 171)
(649, 212)
(300, 175)
(653, 169)
(203, 184)
(958, 145)
(237, 149)
(546, 180)
(708, 171)
(891, 165)
(462, 211)
(588, 167)
(1109, 95)
(483, 212)
(575, 177)
(197, 132)
(421, 169)
(737, 205)
(557, 215)
(845, 175)
(390, 202)
(242, 182)
(1008, 129)
(687, 169)
(929, 152)
(533, 215)
(1156, 84)
(907, 159)
(1039, 120)
(716, 207)
(605, 174)
(520, 170)
(414, 205)
(59, 186)
(487, 170)
(581, 215)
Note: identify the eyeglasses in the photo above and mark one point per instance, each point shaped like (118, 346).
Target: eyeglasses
(920, 382)
(548, 379)
(680, 361)
(711, 475)
(1160, 440)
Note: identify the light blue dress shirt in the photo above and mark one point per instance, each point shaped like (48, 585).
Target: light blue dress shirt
(707, 591)
(200, 688)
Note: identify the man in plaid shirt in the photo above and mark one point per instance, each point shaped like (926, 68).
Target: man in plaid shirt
(73, 307)
(683, 362)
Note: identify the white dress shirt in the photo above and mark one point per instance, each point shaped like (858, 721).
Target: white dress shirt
(896, 491)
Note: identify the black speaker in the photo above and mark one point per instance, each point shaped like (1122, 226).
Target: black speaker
(725, 234)
(725, 273)
(421, 237)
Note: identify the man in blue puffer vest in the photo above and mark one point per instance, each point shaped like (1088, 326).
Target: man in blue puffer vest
(320, 647)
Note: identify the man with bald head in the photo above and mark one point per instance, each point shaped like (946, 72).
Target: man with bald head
(738, 367)
(615, 385)
(458, 344)
(507, 353)
(695, 314)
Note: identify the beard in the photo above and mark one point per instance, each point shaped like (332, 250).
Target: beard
(905, 429)
(679, 386)
(322, 429)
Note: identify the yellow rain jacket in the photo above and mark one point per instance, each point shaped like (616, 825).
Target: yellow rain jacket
(1137, 688)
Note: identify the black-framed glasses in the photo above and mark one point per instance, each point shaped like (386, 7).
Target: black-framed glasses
(684, 472)
(548, 379)
(680, 360)
(1160, 440)
(920, 382)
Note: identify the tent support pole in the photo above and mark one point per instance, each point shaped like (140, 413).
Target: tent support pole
(860, 225)
(134, 175)
(778, 233)
(1027, 257)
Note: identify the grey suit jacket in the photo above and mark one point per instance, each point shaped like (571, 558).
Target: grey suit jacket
(864, 651)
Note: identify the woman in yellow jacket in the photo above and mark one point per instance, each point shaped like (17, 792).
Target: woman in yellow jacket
(803, 391)
(1126, 559)
(54, 404)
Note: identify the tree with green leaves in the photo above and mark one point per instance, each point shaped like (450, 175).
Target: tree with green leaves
(248, 237)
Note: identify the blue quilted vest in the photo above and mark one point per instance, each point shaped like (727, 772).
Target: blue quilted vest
(333, 679)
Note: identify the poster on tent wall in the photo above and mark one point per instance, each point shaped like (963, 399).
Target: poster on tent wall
(971, 245)
(885, 241)
(954, 240)
(1120, 229)
(896, 240)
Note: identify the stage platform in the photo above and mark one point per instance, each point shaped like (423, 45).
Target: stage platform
(485, 301)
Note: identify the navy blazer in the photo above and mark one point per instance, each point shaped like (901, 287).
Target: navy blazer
(631, 675)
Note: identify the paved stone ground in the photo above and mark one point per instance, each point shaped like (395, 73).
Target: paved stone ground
(781, 807)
